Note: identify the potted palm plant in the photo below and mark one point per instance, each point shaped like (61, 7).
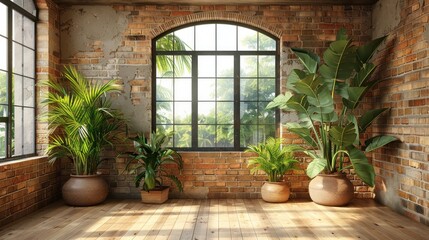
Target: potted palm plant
(274, 160)
(149, 161)
(82, 124)
(326, 98)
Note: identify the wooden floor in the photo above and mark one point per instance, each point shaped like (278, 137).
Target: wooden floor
(215, 219)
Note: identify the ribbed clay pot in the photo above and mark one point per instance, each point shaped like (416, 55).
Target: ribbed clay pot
(275, 192)
(331, 189)
(85, 190)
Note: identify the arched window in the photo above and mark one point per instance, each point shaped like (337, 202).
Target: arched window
(17, 78)
(211, 84)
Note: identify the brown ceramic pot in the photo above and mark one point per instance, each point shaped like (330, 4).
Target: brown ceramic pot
(275, 192)
(331, 189)
(85, 190)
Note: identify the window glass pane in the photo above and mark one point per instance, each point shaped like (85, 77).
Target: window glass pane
(225, 89)
(17, 90)
(20, 2)
(266, 43)
(249, 89)
(164, 112)
(182, 112)
(3, 110)
(225, 66)
(18, 131)
(265, 116)
(206, 89)
(29, 70)
(267, 66)
(206, 135)
(186, 37)
(29, 6)
(28, 92)
(29, 135)
(28, 33)
(17, 58)
(3, 57)
(225, 112)
(164, 89)
(182, 89)
(182, 135)
(2, 140)
(165, 43)
(17, 27)
(205, 37)
(249, 113)
(3, 19)
(247, 39)
(206, 66)
(266, 131)
(206, 113)
(225, 136)
(226, 37)
(248, 66)
(164, 66)
(267, 89)
(248, 135)
(182, 66)
(3, 88)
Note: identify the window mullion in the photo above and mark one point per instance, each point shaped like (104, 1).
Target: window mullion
(236, 101)
(9, 83)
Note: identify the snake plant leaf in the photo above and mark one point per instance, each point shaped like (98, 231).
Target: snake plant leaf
(354, 96)
(302, 132)
(366, 51)
(368, 117)
(363, 76)
(295, 76)
(280, 101)
(316, 166)
(308, 59)
(362, 167)
(378, 142)
(343, 136)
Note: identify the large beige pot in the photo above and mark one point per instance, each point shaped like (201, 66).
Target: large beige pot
(85, 190)
(331, 189)
(275, 192)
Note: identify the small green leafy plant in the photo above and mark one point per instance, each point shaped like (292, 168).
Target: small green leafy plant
(273, 158)
(149, 158)
(333, 129)
(80, 119)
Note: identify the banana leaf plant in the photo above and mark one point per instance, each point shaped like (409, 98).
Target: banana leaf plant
(326, 97)
(149, 159)
(81, 120)
(273, 158)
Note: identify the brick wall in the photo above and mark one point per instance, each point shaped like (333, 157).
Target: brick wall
(25, 186)
(29, 184)
(403, 168)
(106, 42)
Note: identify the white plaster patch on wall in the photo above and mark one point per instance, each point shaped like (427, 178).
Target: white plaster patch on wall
(82, 26)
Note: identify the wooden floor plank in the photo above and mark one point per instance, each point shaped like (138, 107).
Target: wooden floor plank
(215, 219)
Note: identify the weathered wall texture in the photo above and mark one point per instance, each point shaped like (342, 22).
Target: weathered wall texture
(106, 42)
(403, 169)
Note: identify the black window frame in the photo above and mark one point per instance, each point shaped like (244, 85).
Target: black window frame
(236, 53)
(9, 120)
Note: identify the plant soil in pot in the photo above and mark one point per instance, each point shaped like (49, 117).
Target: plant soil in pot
(85, 190)
(331, 189)
(275, 192)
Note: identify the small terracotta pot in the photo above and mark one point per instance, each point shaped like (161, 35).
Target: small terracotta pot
(85, 190)
(331, 189)
(275, 192)
(158, 195)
